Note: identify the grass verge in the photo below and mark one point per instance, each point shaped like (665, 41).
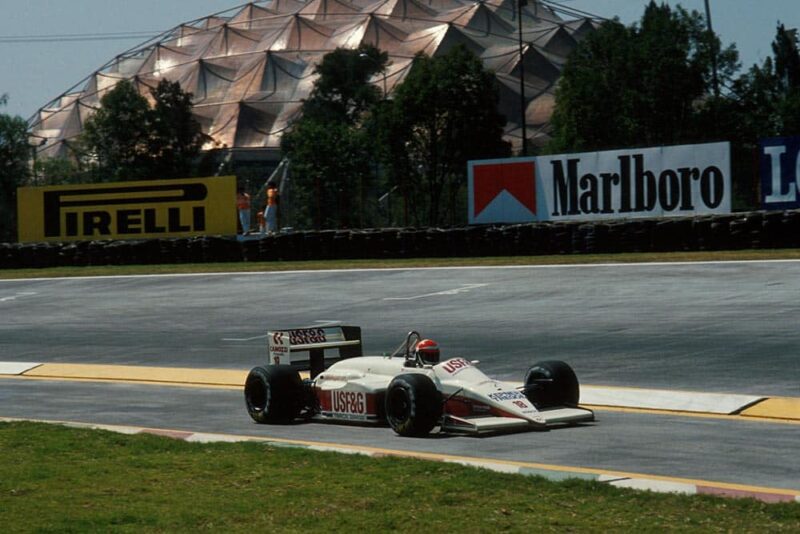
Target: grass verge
(567, 259)
(58, 479)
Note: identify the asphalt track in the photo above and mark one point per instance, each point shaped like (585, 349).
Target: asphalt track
(711, 328)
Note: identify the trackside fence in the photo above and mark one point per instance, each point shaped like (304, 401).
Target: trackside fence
(751, 230)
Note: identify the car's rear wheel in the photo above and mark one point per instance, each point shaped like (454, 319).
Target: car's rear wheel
(413, 405)
(552, 383)
(273, 394)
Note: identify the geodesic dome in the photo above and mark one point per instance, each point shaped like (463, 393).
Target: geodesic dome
(249, 68)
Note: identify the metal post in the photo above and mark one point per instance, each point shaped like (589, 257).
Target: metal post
(523, 120)
(715, 79)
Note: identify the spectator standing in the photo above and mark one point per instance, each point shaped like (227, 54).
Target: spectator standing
(243, 206)
(271, 211)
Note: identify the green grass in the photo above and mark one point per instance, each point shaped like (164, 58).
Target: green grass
(58, 479)
(567, 259)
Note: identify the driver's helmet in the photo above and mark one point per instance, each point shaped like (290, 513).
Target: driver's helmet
(428, 351)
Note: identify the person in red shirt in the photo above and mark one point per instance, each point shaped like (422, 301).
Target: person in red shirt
(271, 211)
(243, 206)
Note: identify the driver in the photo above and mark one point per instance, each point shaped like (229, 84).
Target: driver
(428, 351)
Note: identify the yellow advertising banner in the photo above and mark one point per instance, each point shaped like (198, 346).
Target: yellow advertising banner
(128, 210)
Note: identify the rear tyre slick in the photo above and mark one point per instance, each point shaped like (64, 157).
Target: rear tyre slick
(552, 383)
(413, 405)
(273, 394)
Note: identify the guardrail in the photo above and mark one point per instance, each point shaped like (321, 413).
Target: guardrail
(750, 230)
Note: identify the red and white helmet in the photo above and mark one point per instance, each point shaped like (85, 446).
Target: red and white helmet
(428, 351)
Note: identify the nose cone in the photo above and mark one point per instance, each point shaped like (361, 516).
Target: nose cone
(537, 418)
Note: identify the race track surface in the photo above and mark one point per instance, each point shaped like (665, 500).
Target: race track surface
(713, 328)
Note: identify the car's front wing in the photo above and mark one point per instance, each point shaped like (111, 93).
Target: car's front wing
(492, 424)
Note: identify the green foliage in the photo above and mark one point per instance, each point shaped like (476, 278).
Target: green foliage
(176, 137)
(641, 85)
(443, 115)
(765, 101)
(117, 135)
(57, 479)
(329, 147)
(126, 139)
(15, 153)
(786, 77)
(652, 84)
(330, 168)
(60, 171)
(351, 144)
(342, 91)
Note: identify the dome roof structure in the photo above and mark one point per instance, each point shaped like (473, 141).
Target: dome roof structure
(249, 68)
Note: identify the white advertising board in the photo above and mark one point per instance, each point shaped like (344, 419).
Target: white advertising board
(680, 180)
(648, 182)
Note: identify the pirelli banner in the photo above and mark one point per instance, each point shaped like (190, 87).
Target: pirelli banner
(648, 182)
(128, 210)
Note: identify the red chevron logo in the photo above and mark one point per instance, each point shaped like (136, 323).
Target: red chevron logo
(489, 180)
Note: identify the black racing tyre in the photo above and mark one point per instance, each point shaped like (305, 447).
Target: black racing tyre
(413, 405)
(552, 383)
(273, 394)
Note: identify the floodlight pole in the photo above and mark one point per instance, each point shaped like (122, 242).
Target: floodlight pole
(715, 79)
(41, 141)
(520, 4)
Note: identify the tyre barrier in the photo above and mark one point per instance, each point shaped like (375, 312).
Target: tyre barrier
(749, 230)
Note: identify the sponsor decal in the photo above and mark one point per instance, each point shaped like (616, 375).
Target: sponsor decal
(455, 365)
(158, 208)
(278, 349)
(679, 180)
(348, 405)
(349, 402)
(502, 190)
(306, 336)
(633, 188)
(779, 167)
(507, 395)
(648, 182)
(463, 407)
(333, 378)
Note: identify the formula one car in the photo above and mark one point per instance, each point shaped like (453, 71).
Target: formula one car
(410, 389)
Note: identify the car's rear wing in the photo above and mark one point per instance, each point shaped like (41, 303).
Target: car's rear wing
(304, 348)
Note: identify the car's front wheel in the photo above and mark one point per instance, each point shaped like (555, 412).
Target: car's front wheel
(413, 405)
(273, 394)
(552, 383)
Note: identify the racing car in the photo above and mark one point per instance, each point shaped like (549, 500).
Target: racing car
(410, 389)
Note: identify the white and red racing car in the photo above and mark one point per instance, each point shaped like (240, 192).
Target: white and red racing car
(411, 389)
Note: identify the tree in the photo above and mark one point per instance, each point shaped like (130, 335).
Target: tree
(786, 49)
(127, 139)
(443, 115)
(60, 171)
(175, 137)
(765, 101)
(117, 135)
(329, 148)
(330, 167)
(14, 171)
(594, 101)
(642, 85)
(343, 92)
